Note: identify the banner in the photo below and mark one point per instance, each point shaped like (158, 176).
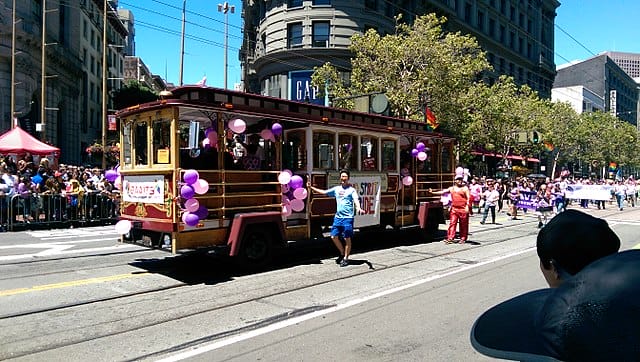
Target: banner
(146, 189)
(368, 188)
(527, 200)
(589, 192)
(112, 122)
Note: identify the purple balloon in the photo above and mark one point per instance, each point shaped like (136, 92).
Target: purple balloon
(190, 177)
(202, 212)
(187, 191)
(276, 129)
(111, 175)
(414, 152)
(296, 182)
(191, 219)
(420, 146)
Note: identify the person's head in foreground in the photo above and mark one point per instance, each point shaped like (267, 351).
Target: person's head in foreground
(593, 315)
(571, 241)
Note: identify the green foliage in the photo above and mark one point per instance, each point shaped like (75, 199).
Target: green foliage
(133, 93)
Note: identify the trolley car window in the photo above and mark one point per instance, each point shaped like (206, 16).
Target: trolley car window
(389, 155)
(348, 151)
(161, 141)
(141, 144)
(369, 153)
(323, 150)
(126, 144)
(294, 154)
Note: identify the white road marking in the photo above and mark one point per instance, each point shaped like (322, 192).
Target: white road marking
(53, 249)
(292, 321)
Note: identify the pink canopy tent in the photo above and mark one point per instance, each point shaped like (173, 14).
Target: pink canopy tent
(19, 141)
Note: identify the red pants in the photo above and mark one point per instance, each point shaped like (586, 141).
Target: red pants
(455, 216)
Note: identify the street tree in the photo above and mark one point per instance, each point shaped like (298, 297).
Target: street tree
(133, 93)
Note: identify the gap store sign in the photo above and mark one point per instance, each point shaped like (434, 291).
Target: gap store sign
(301, 90)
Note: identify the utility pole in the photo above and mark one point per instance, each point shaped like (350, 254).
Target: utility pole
(184, 7)
(225, 8)
(43, 94)
(13, 67)
(104, 85)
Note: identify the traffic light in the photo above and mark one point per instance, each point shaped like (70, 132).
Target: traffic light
(535, 137)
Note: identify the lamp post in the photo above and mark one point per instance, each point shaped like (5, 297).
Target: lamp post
(104, 85)
(13, 67)
(225, 8)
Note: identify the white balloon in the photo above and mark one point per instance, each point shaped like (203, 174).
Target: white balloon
(237, 125)
(123, 226)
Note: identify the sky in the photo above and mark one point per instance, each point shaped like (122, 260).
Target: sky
(583, 29)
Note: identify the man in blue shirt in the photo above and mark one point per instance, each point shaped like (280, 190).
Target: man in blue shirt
(347, 204)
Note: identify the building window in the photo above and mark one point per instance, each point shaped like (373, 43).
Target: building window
(492, 27)
(467, 12)
(501, 33)
(294, 3)
(321, 34)
(481, 20)
(321, 2)
(294, 35)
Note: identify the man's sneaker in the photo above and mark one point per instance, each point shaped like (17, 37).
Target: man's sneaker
(339, 259)
(344, 262)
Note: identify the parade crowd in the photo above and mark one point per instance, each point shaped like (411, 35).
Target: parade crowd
(37, 193)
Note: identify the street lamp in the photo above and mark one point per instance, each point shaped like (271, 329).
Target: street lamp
(225, 8)
(104, 85)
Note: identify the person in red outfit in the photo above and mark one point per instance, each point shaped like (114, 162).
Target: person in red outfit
(460, 209)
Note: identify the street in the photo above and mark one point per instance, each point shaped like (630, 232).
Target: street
(79, 295)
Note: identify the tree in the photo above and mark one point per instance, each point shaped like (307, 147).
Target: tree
(419, 63)
(133, 93)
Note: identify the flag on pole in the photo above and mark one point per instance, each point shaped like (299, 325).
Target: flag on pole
(548, 146)
(202, 81)
(431, 118)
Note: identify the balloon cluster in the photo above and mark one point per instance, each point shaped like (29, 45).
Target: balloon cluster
(420, 152)
(293, 192)
(193, 184)
(113, 176)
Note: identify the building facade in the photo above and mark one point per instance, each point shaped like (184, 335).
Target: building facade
(629, 62)
(72, 102)
(285, 39)
(601, 75)
(581, 99)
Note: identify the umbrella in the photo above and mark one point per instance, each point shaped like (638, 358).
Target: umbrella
(536, 175)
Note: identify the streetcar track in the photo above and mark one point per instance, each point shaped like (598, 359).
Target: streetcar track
(379, 267)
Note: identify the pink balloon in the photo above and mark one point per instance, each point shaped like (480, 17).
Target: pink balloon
(297, 205)
(284, 178)
(201, 186)
(192, 205)
(407, 180)
(267, 135)
(300, 193)
(213, 137)
(237, 125)
(206, 142)
(184, 216)
(422, 156)
(286, 210)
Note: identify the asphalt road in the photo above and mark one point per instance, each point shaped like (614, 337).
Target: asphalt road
(79, 295)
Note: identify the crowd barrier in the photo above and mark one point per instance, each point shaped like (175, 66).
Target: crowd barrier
(40, 211)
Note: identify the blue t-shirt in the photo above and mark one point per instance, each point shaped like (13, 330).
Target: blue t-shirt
(345, 198)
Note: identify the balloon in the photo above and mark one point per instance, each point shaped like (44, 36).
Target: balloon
(237, 125)
(208, 131)
(420, 146)
(284, 178)
(187, 191)
(295, 182)
(288, 171)
(285, 188)
(202, 212)
(191, 219)
(422, 156)
(286, 200)
(407, 180)
(123, 226)
(201, 186)
(459, 170)
(206, 143)
(414, 152)
(297, 205)
(286, 210)
(192, 205)
(276, 129)
(111, 175)
(300, 193)
(190, 177)
(267, 135)
(184, 215)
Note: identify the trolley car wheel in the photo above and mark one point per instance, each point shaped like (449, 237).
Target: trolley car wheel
(257, 248)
